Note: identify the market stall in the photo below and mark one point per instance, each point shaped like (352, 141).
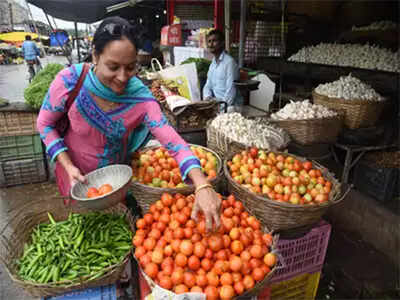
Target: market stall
(273, 172)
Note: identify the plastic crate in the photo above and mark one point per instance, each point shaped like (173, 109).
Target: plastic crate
(300, 287)
(377, 182)
(22, 171)
(18, 147)
(303, 254)
(108, 292)
(17, 123)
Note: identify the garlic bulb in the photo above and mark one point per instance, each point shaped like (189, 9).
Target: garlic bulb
(349, 88)
(379, 25)
(257, 132)
(303, 110)
(350, 55)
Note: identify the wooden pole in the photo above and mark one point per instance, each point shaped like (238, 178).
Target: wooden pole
(77, 42)
(11, 16)
(243, 6)
(227, 6)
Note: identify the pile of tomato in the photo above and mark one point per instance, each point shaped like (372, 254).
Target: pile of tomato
(155, 167)
(103, 190)
(179, 255)
(280, 177)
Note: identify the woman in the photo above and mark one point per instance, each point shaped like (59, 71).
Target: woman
(112, 116)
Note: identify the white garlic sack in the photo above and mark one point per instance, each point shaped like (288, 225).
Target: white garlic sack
(350, 55)
(258, 132)
(379, 25)
(349, 88)
(303, 110)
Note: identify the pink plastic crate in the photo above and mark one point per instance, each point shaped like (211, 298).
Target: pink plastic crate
(303, 254)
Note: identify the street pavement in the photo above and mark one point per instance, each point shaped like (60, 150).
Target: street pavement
(14, 78)
(13, 81)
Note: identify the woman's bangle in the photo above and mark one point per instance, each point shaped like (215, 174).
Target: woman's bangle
(202, 186)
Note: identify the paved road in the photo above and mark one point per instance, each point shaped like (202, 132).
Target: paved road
(13, 81)
(14, 78)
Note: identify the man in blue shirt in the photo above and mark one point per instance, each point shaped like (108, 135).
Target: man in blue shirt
(30, 51)
(222, 72)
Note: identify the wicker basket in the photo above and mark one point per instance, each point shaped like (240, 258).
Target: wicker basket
(280, 215)
(358, 113)
(224, 145)
(147, 195)
(314, 131)
(259, 286)
(193, 116)
(18, 231)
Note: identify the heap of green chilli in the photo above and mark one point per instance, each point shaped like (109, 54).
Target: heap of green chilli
(79, 248)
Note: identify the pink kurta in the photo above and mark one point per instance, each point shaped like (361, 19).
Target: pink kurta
(96, 138)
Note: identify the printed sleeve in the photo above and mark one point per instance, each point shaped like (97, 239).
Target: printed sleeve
(53, 108)
(170, 139)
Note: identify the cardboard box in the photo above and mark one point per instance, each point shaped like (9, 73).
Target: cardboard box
(171, 35)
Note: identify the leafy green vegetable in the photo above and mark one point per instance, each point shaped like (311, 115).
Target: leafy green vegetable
(202, 66)
(34, 94)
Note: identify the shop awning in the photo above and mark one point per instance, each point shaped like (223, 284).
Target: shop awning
(17, 36)
(84, 11)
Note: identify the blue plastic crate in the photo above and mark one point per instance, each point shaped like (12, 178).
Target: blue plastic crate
(108, 292)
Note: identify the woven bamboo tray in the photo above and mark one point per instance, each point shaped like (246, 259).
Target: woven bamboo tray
(147, 195)
(313, 131)
(225, 145)
(192, 116)
(280, 215)
(259, 286)
(357, 113)
(18, 231)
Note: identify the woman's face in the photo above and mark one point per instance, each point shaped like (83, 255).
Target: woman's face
(116, 65)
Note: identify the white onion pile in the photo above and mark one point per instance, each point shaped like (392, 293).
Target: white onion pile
(379, 25)
(303, 110)
(256, 133)
(350, 55)
(349, 88)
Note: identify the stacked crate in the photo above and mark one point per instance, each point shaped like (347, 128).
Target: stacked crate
(303, 259)
(22, 158)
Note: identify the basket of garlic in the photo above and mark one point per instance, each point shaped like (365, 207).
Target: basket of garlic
(361, 104)
(309, 123)
(231, 132)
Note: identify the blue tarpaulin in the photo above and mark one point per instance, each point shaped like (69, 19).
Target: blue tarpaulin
(58, 38)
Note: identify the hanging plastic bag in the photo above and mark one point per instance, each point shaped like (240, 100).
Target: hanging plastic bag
(185, 78)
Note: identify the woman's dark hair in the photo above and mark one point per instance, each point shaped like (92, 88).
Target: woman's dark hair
(28, 37)
(113, 29)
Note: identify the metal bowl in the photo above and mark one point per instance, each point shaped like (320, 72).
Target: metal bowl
(118, 176)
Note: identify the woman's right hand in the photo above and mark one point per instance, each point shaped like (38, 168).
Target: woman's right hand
(75, 175)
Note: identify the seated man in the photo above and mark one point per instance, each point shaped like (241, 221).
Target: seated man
(223, 71)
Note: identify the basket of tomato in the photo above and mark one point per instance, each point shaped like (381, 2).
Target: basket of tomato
(177, 256)
(283, 190)
(155, 172)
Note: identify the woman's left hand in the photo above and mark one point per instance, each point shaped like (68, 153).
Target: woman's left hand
(209, 203)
